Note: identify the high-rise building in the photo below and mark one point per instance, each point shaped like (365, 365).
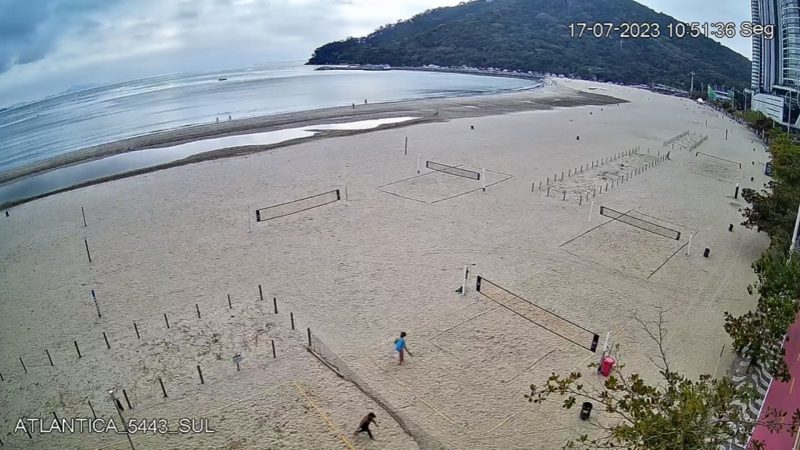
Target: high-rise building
(775, 77)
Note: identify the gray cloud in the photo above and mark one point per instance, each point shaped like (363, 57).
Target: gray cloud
(30, 28)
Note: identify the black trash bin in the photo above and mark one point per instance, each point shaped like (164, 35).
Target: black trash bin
(586, 410)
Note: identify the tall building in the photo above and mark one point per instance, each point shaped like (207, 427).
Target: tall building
(775, 77)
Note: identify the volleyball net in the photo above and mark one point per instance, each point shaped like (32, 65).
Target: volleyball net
(453, 170)
(640, 223)
(550, 321)
(296, 206)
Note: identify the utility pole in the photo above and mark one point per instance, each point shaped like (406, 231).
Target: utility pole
(691, 86)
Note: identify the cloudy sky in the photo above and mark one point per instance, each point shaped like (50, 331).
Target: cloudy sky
(47, 46)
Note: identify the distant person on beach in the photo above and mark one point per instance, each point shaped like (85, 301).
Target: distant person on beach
(363, 427)
(365, 101)
(229, 117)
(400, 346)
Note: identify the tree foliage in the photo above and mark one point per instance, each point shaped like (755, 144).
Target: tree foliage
(534, 35)
(774, 209)
(675, 413)
(758, 334)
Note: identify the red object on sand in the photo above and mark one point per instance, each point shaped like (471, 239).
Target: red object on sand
(606, 365)
(783, 396)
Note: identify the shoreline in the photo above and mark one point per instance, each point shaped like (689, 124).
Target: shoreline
(454, 70)
(427, 110)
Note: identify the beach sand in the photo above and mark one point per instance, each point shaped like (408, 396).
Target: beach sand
(385, 258)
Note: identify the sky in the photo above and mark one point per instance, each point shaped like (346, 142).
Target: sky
(48, 46)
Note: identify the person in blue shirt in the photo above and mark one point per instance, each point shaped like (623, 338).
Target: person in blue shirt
(400, 346)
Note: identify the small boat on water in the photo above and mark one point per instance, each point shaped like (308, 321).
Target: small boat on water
(221, 79)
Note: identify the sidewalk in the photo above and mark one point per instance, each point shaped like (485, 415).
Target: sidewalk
(783, 396)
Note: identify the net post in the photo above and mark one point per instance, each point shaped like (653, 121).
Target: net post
(483, 179)
(478, 283)
(419, 160)
(689, 246)
(591, 210)
(464, 282)
(605, 345)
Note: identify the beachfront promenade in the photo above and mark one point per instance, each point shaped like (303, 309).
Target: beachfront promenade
(783, 396)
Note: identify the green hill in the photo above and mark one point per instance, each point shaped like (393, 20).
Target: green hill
(534, 35)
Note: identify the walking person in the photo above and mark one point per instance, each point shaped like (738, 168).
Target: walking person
(363, 427)
(400, 346)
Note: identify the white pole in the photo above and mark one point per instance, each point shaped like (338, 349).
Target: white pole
(689, 247)
(419, 158)
(793, 245)
(605, 346)
(464, 283)
(483, 179)
(591, 210)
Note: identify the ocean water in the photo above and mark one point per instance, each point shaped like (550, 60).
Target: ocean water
(64, 177)
(77, 120)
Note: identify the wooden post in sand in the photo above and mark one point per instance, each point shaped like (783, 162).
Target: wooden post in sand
(275, 304)
(405, 152)
(309, 336)
(166, 320)
(92, 408)
(137, 330)
(230, 306)
(260, 293)
(200, 372)
(96, 305)
(49, 358)
(125, 394)
(89, 255)
(291, 319)
(274, 355)
(26, 369)
(419, 161)
(162, 387)
(77, 349)
(197, 307)
(84, 217)
(106, 339)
